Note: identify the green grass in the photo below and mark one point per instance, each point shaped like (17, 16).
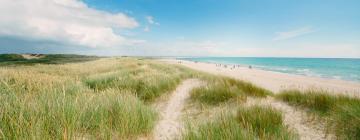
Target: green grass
(216, 93)
(221, 89)
(124, 115)
(55, 102)
(320, 102)
(264, 122)
(225, 127)
(341, 112)
(110, 98)
(102, 99)
(146, 79)
(345, 120)
(249, 123)
(68, 110)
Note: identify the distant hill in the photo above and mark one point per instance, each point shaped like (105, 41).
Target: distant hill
(11, 57)
(28, 59)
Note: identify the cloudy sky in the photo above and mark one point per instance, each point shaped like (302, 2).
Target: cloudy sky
(265, 28)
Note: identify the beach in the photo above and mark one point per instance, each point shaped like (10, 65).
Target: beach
(274, 81)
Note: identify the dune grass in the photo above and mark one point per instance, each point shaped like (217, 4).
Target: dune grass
(249, 123)
(220, 89)
(341, 112)
(102, 99)
(264, 122)
(148, 80)
(109, 98)
(225, 127)
(50, 116)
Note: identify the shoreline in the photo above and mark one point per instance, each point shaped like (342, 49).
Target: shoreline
(274, 81)
(308, 72)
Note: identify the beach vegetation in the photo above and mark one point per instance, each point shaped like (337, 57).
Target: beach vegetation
(219, 89)
(341, 112)
(81, 100)
(249, 123)
(146, 79)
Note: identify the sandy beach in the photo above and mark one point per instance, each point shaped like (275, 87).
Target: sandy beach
(275, 81)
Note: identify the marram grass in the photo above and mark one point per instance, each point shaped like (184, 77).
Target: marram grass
(37, 105)
(148, 80)
(219, 89)
(53, 101)
(341, 112)
(109, 99)
(248, 124)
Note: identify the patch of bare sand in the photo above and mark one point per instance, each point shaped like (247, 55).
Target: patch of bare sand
(297, 120)
(170, 126)
(33, 56)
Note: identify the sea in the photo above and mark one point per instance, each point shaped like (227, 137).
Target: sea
(333, 68)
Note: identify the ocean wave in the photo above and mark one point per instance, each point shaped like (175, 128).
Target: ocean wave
(337, 77)
(303, 70)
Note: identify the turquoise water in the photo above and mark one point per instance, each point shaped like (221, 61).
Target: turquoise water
(334, 68)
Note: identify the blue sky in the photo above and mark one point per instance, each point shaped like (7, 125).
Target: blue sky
(276, 28)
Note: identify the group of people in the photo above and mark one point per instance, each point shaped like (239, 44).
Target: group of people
(231, 66)
(224, 65)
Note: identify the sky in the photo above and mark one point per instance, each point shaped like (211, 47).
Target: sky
(243, 28)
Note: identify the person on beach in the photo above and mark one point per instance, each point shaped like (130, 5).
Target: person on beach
(250, 67)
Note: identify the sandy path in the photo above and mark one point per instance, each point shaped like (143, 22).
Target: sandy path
(170, 125)
(296, 120)
(276, 81)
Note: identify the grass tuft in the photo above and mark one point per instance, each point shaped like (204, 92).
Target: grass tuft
(148, 80)
(59, 115)
(249, 123)
(222, 128)
(345, 120)
(264, 122)
(221, 89)
(342, 112)
(216, 93)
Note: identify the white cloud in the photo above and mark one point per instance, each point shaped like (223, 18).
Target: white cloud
(186, 47)
(147, 29)
(65, 21)
(293, 33)
(183, 47)
(151, 20)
